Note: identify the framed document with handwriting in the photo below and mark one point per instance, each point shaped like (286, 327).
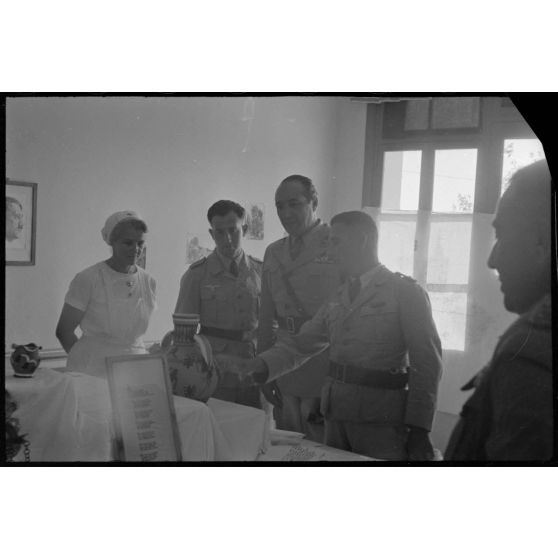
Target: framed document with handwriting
(143, 414)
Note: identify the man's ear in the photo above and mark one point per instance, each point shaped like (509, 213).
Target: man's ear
(244, 229)
(212, 235)
(365, 240)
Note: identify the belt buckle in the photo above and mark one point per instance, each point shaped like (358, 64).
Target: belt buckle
(290, 324)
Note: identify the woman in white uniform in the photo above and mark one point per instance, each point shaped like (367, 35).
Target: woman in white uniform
(110, 301)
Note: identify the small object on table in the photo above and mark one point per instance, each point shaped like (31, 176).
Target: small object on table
(25, 359)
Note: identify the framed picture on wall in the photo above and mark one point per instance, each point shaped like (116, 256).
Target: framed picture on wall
(142, 260)
(21, 222)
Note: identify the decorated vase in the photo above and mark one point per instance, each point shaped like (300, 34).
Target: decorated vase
(193, 373)
(25, 359)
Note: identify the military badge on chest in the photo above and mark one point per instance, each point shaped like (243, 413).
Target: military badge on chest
(323, 259)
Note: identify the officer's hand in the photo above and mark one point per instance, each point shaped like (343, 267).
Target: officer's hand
(272, 393)
(154, 348)
(254, 371)
(419, 446)
(232, 364)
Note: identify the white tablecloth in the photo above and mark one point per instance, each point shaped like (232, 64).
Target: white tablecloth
(67, 417)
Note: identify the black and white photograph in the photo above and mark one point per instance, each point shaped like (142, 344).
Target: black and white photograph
(255, 214)
(384, 296)
(21, 216)
(286, 283)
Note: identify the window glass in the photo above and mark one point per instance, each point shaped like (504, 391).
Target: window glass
(401, 180)
(416, 114)
(449, 310)
(454, 180)
(396, 243)
(519, 153)
(449, 248)
(455, 112)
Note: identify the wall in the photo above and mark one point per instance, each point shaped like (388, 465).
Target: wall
(349, 157)
(169, 159)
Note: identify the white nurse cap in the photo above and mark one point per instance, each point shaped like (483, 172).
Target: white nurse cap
(116, 218)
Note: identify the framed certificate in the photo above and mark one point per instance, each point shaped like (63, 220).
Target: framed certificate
(142, 409)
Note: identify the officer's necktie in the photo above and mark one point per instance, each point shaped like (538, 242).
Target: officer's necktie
(234, 268)
(296, 247)
(354, 288)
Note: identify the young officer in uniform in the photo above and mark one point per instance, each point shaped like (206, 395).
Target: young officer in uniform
(224, 289)
(297, 277)
(386, 361)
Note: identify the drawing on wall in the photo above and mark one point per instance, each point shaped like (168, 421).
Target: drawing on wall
(194, 251)
(255, 221)
(142, 260)
(21, 217)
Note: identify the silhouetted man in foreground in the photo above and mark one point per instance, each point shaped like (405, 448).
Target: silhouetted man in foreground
(509, 416)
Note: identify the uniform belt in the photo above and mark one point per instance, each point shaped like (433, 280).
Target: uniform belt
(291, 323)
(395, 378)
(232, 334)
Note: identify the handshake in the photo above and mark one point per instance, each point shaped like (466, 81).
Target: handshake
(250, 371)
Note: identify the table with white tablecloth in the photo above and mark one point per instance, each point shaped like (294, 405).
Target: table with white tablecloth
(68, 417)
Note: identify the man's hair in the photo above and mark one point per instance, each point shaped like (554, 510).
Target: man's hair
(12, 201)
(136, 224)
(358, 220)
(224, 207)
(529, 191)
(310, 192)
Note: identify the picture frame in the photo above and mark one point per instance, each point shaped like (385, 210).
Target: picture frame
(21, 222)
(143, 415)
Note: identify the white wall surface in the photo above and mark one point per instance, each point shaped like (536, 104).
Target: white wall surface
(169, 159)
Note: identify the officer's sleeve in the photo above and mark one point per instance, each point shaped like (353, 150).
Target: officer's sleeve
(293, 351)
(522, 417)
(189, 295)
(266, 319)
(425, 354)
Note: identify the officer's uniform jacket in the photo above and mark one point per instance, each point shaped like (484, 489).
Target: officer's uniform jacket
(509, 416)
(313, 277)
(388, 326)
(224, 301)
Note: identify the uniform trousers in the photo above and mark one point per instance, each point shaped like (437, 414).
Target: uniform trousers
(300, 414)
(381, 441)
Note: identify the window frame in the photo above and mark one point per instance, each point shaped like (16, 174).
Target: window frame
(498, 124)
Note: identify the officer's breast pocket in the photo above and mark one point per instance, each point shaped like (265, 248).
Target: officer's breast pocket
(378, 323)
(208, 304)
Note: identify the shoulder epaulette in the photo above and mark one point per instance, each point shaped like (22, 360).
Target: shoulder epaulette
(405, 277)
(198, 263)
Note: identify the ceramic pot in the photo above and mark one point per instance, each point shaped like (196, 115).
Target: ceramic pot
(25, 359)
(189, 357)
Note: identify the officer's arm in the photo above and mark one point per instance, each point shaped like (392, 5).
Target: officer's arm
(291, 352)
(522, 416)
(267, 314)
(425, 355)
(188, 301)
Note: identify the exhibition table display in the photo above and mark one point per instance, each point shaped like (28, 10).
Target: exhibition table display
(68, 416)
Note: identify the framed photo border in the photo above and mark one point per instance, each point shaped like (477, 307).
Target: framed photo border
(33, 186)
(120, 453)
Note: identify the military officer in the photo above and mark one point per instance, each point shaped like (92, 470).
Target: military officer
(297, 277)
(224, 289)
(380, 394)
(509, 416)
